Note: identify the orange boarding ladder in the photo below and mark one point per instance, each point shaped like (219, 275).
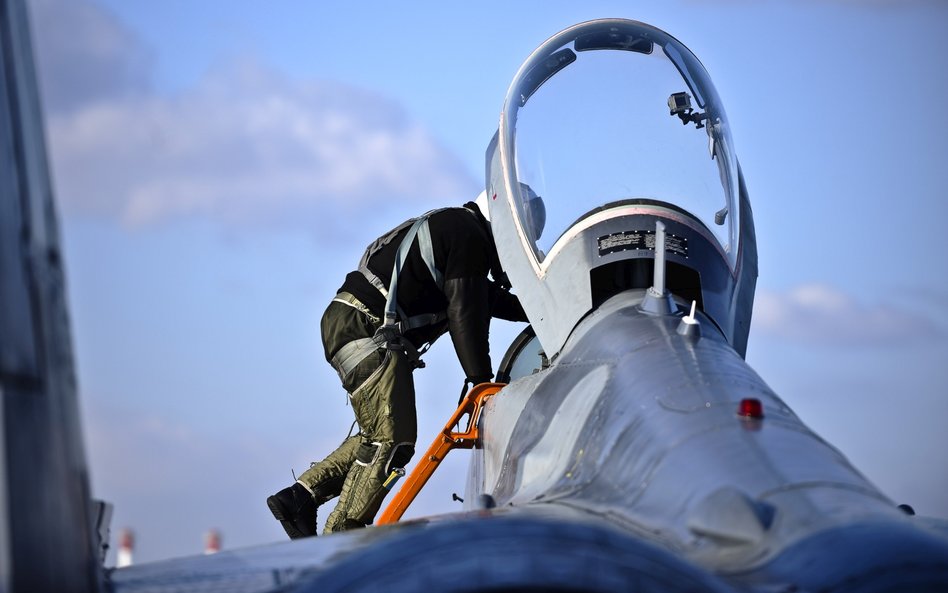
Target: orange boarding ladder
(471, 406)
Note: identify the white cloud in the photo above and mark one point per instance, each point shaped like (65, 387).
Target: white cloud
(249, 147)
(819, 313)
(85, 53)
(246, 147)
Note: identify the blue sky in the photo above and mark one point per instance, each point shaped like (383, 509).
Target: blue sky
(220, 167)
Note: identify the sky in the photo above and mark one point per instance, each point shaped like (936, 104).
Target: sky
(220, 167)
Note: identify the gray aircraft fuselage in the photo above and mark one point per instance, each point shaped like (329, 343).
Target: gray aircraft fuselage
(621, 409)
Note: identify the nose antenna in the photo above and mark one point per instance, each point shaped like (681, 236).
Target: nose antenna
(658, 301)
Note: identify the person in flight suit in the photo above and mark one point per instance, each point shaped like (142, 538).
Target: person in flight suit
(426, 276)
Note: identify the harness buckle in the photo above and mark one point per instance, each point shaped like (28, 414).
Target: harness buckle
(390, 336)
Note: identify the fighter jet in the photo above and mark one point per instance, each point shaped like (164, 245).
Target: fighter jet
(626, 445)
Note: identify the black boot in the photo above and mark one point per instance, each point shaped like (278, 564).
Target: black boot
(295, 509)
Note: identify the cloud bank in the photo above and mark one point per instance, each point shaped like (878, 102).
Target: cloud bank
(246, 147)
(84, 54)
(820, 314)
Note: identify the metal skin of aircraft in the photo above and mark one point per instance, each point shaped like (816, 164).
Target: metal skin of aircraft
(631, 449)
(48, 519)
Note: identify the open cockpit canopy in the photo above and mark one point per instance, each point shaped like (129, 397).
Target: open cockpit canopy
(613, 113)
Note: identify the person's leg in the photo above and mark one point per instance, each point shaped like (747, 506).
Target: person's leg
(324, 479)
(295, 506)
(295, 509)
(385, 409)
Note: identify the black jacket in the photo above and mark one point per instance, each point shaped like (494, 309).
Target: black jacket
(464, 253)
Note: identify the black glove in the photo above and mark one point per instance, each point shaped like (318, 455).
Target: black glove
(504, 305)
(472, 381)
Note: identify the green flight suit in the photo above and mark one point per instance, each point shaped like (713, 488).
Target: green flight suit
(382, 392)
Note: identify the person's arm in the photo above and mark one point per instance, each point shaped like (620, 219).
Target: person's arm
(504, 305)
(468, 314)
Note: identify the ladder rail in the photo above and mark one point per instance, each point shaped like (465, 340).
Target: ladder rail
(447, 439)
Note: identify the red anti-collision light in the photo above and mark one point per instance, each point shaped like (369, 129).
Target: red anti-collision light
(750, 408)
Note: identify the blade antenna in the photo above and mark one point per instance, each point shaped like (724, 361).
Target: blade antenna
(658, 301)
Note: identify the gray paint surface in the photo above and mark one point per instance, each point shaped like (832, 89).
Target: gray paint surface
(655, 443)
(46, 506)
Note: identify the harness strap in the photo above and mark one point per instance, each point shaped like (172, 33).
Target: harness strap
(389, 335)
(424, 243)
(421, 320)
(400, 257)
(351, 301)
(427, 253)
(352, 353)
(374, 280)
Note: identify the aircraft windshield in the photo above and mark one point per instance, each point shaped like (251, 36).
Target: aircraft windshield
(616, 115)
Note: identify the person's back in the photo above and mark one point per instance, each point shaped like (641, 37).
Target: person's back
(462, 248)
